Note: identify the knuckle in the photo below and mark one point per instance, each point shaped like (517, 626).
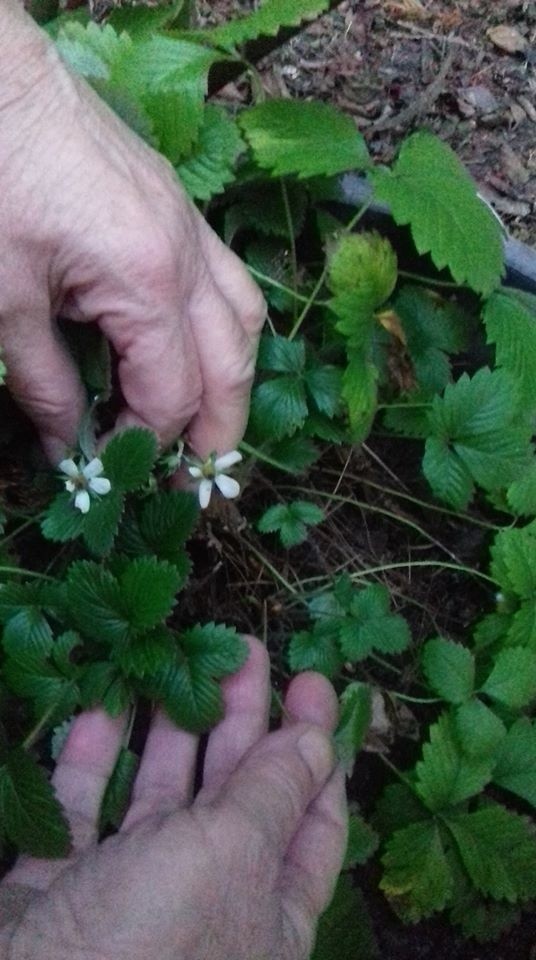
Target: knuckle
(253, 311)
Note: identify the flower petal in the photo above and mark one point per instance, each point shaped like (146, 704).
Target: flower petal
(93, 468)
(204, 493)
(69, 468)
(70, 486)
(228, 486)
(82, 501)
(195, 472)
(227, 460)
(100, 485)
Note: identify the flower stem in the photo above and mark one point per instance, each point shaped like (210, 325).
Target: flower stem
(22, 571)
(409, 564)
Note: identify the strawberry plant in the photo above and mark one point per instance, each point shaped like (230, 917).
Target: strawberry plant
(440, 358)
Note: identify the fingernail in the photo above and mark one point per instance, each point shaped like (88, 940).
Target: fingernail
(318, 754)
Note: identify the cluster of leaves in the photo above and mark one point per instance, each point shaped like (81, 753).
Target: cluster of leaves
(352, 342)
(99, 633)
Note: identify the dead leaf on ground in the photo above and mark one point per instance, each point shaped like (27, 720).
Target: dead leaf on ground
(507, 38)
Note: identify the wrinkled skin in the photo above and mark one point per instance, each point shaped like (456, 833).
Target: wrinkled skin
(94, 227)
(240, 872)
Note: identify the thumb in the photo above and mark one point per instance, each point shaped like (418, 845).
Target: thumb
(277, 781)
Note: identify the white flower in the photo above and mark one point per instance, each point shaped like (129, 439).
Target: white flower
(211, 472)
(84, 479)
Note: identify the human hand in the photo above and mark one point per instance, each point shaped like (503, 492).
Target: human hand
(95, 227)
(241, 872)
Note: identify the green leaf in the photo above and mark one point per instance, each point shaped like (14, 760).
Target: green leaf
(40, 681)
(345, 929)
(267, 197)
(94, 597)
(294, 454)
(360, 391)
(304, 138)
(102, 522)
(498, 850)
(117, 795)
(291, 521)
(315, 649)
(143, 21)
(103, 684)
(141, 656)
(516, 762)
(62, 521)
(418, 880)
(479, 730)
(483, 919)
(324, 385)
(210, 165)
(370, 625)
(514, 561)
(266, 20)
(148, 588)
(279, 406)
(215, 647)
(446, 775)
(511, 325)
(354, 720)
(512, 681)
(29, 811)
(129, 458)
(450, 669)
(28, 631)
(162, 525)
(362, 844)
(429, 189)
(280, 355)
(398, 807)
(433, 327)
(521, 494)
(476, 435)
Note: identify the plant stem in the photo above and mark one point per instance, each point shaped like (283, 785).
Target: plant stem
(33, 735)
(23, 526)
(405, 564)
(429, 281)
(264, 278)
(264, 457)
(269, 566)
(321, 280)
(292, 242)
(405, 696)
(22, 571)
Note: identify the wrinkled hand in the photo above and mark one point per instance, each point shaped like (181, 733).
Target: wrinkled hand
(241, 872)
(94, 227)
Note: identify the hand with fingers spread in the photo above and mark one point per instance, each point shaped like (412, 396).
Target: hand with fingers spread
(239, 872)
(94, 227)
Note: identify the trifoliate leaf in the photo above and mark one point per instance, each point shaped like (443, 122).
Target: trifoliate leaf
(363, 271)
(40, 681)
(30, 814)
(446, 775)
(345, 929)
(94, 597)
(479, 730)
(511, 325)
(354, 720)
(291, 521)
(429, 189)
(304, 138)
(103, 684)
(116, 798)
(210, 165)
(102, 521)
(516, 762)
(141, 656)
(512, 681)
(161, 526)
(315, 649)
(266, 20)
(190, 696)
(410, 421)
(62, 521)
(449, 669)
(294, 454)
(370, 625)
(128, 458)
(498, 850)
(476, 435)
(433, 328)
(279, 406)
(362, 844)
(491, 630)
(418, 880)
